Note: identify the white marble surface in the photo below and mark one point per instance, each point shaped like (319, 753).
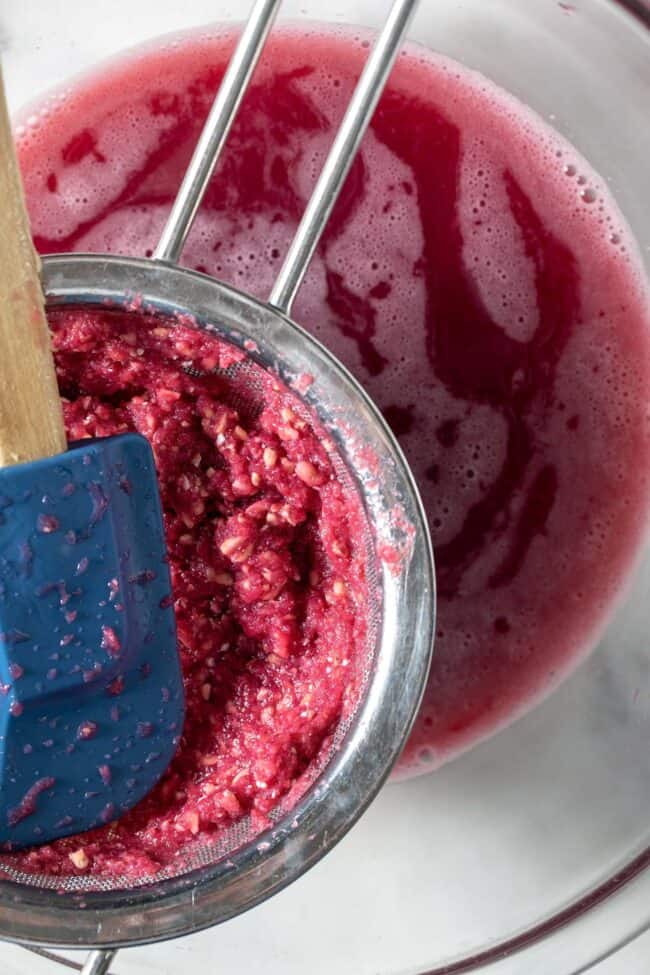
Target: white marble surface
(326, 917)
(199, 954)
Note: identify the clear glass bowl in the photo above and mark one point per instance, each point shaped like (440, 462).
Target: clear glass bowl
(538, 841)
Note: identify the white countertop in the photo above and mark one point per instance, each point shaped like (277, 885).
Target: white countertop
(192, 953)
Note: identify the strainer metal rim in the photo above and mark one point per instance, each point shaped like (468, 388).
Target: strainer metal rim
(351, 779)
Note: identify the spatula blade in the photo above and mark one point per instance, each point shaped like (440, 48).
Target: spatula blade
(91, 694)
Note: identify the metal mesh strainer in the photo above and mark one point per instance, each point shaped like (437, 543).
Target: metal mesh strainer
(210, 883)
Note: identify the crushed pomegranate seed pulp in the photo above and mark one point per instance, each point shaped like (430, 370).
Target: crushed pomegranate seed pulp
(268, 580)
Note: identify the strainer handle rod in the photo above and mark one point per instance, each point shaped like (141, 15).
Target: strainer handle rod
(215, 131)
(336, 167)
(98, 962)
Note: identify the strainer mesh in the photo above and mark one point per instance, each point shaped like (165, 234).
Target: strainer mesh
(247, 379)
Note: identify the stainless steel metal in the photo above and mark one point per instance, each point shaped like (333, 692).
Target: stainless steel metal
(337, 165)
(216, 129)
(211, 886)
(98, 963)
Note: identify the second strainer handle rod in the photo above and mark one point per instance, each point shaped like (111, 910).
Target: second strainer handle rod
(341, 155)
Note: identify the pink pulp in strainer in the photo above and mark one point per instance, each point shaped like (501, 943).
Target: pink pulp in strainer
(267, 561)
(476, 276)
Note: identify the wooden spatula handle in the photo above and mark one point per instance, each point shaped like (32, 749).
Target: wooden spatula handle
(31, 419)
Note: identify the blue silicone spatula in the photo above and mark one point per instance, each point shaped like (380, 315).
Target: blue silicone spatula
(91, 695)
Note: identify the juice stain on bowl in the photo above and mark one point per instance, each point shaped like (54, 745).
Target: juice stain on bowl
(476, 276)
